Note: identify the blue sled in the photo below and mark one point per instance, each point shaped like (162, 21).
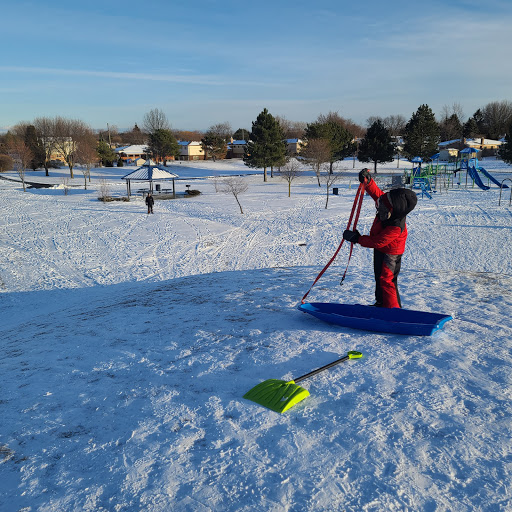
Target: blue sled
(369, 318)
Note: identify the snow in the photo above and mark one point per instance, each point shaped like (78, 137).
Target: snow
(128, 341)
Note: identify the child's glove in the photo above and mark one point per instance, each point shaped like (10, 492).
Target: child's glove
(365, 176)
(351, 236)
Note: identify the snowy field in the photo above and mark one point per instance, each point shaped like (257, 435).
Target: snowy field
(128, 341)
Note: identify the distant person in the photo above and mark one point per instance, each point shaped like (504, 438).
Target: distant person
(387, 238)
(150, 201)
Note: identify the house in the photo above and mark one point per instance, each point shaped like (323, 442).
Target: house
(136, 161)
(483, 144)
(449, 150)
(191, 150)
(56, 145)
(448, 154)
(293, 146)
(236, 149)
(129, 154)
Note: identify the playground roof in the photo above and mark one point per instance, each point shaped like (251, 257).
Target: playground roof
(470, 150)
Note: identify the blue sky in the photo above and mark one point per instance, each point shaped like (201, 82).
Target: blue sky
(210, 61)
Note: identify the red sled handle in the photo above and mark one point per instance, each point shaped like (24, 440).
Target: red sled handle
(354, 216)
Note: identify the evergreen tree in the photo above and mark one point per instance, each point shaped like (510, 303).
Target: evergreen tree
(421, 134)
(162, 145)
(105, 153)
(214, 145)
(450, 128)
(241, 134)
(470, 129)
(266, 146)
(377, 145)
(35, 145)
(478, 117)
(332, 130)
(505, 150)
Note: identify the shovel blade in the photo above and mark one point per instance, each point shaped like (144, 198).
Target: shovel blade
(277, 395)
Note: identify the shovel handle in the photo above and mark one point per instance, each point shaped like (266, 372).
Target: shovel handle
(350, 355)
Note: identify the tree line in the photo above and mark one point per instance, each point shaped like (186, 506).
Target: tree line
(326, 140)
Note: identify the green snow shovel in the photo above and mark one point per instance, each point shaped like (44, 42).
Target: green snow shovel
(280, 395)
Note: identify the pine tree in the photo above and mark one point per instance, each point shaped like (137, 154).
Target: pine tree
(377, 145)
(421, 134)
(338, 137)
(162, 145)
(450, 128)
(266, 147)
(470, 128)
(505, 150)
(214, 145)
(241, 134)
(105, 153)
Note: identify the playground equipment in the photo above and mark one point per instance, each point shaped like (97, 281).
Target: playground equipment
(433, 176)
(470, 164)
(501, 189)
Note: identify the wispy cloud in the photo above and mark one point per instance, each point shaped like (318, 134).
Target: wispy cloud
(210, 80)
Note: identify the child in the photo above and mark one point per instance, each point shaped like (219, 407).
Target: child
(150, 202)
(387, 238)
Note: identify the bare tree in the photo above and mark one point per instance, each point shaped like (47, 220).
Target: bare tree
(316, 152)
(21, 156)
(234, 185)
(455, 109)
(65, 184)
(19, 129)
(45, 128)
(395, 124)
(372, 120)
(497, 117)
(290, 171)
(188, 135)
(329, 179)
(291, 129)
(104, 191)
(155, 120)
(223, 130)
(69, 134)
(87, 157)
(349, 125)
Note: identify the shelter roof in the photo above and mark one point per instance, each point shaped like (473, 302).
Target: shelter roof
(150, 172)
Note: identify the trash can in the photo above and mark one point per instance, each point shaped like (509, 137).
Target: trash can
(335, 191)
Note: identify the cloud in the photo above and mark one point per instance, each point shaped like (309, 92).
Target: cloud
(210, 80)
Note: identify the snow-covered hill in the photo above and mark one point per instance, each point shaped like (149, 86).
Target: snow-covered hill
(129, 340)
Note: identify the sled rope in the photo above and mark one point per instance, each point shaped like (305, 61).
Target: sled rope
(356, 208)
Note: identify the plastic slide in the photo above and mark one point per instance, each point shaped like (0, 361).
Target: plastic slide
(492, 178)
(474, 176)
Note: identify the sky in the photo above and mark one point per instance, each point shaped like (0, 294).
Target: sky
(209, 62)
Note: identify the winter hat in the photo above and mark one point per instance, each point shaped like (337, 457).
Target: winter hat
(403, 201)
(388, 202)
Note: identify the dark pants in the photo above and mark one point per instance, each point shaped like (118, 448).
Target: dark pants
(386, 268)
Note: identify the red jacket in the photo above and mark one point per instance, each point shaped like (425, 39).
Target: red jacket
(389, 236)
